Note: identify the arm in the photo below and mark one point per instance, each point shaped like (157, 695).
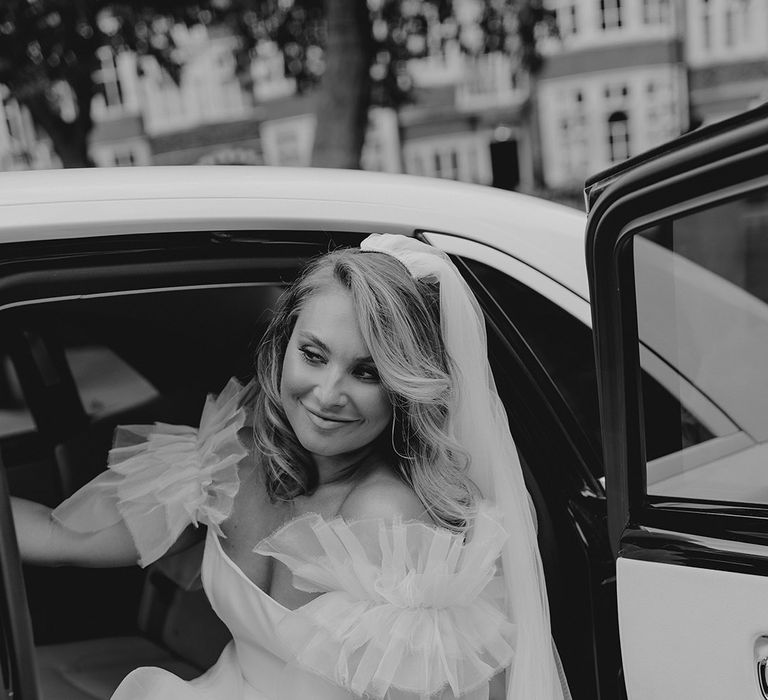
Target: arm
(44, 541)
(149, 502)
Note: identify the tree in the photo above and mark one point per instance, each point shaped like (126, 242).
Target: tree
(49, 54)
(358, 53)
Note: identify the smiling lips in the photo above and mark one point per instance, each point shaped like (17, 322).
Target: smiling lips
(325, 422)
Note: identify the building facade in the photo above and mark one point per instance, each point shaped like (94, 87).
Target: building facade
(464, 123)
(627, 75)
(727, 57)
(613, 84)
(621, 77)
(22, 146)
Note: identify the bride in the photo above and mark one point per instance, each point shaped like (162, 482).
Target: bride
(367, 529)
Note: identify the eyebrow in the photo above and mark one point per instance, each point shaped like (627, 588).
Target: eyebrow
(312, 338)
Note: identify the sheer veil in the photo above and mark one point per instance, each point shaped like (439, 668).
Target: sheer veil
(478, 422)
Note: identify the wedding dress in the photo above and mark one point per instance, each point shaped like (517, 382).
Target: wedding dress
(406, 610)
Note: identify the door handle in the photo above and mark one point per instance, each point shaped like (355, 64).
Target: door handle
(761, 656)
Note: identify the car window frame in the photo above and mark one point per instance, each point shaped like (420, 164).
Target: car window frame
(26, 279)
(689, 178)
(560, 412)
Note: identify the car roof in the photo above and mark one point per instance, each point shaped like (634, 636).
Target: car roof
(85, 202)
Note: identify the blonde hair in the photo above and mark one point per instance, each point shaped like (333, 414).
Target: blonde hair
(399, 320)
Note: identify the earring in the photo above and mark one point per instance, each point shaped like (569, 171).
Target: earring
(394, 445)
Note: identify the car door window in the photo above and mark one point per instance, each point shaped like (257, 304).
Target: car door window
(105, 383)
(702, 312)
(561, 343)
(136, 356)
(15, 417)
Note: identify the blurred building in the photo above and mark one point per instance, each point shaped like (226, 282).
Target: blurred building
(466, 120)
(627, 75)
(726, 52)
(22, 146)
(614, 84)
(621, 77)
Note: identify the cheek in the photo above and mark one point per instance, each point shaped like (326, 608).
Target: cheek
(291, 376)
(379, 408)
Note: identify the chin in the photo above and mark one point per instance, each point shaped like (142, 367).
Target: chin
(329, 448)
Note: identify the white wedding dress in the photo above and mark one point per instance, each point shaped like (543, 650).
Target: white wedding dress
(407, 610)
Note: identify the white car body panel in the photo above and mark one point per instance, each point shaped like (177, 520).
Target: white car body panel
(702, 650)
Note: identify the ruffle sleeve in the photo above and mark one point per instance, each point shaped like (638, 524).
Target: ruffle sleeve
(407, 607)
(163, 477)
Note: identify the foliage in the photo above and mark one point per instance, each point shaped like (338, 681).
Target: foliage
(400, 30)
(49, 54)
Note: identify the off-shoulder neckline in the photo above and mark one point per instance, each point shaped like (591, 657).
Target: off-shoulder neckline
(484, 507)
(239, 572)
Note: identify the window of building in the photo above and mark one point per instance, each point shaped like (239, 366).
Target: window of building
(737, 17)
(454, 164)
(566, 18)
(618, 136)
(616, 95)
(437, 164)
(706, 24)
(124, 157)
(656, 11)
(746, 18)
(107, 80)
(289, 147)
(453, 157)
(729, 28)
(573, 146)
(610, 14)
(13, 121)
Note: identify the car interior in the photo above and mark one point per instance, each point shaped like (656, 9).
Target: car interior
(145, 340)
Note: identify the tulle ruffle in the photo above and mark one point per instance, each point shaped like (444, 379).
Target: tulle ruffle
(163, 477)
(407, 606)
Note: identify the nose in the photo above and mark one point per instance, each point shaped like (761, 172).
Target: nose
(329, 390)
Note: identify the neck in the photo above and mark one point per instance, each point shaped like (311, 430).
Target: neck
(341, 468)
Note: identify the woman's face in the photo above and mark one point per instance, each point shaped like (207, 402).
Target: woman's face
(330, 389)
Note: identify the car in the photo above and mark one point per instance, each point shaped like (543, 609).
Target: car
(627, 347)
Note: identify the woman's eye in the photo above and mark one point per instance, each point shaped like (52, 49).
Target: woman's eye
(368, 374)
(310, 355)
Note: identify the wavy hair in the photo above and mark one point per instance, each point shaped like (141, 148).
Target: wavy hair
(399, 320)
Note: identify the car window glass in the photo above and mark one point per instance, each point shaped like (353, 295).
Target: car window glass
(105, 382)
(135, 358)
(562, 344)
(702, 312)
(14, 415)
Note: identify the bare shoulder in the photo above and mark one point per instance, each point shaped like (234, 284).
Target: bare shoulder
(383, 495)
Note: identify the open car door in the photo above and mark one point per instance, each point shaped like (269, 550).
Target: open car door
(677, 250)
